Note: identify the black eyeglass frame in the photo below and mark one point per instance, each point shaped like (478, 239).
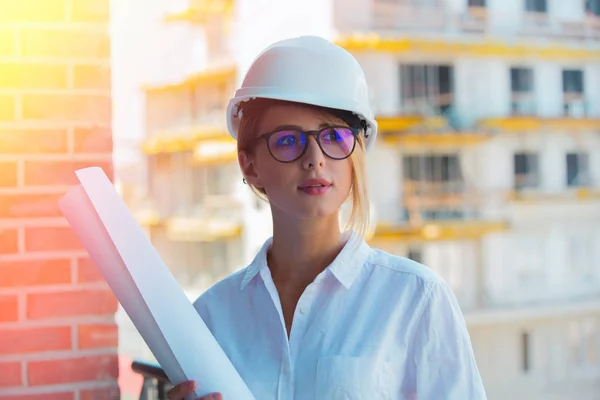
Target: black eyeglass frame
(317, 135)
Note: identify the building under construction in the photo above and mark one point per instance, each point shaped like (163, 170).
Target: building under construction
(486, 169)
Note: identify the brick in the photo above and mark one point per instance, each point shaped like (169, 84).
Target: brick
(33, 11)
(65, 43)
(29, 141)
(90, 10)
(67, 107)
(10, 374)
(92, 77)
(82, 369)
(7, 107)
(32, 76)
(8, 176)
(9, 308)
(87, 272)
(98, 335)
(29, 205)
(72, 303)
(93, 140)
(52, 173)
(35, 272)
(30, 340)
(52, 238)
(109, 393)
(7, 42)
(9, 241)
(44, 396)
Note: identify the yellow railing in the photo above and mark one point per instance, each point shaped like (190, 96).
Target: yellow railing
(216, 218)
(419, 131)
(533, 123)
(439, 230)
(183, 140)
(482, 48)
(199, 11)
(539, 196)
(213, 76)
(209, 152)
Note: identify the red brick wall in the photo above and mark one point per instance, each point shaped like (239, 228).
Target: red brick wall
(58, 339)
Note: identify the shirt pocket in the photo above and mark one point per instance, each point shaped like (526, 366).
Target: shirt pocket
(357, 378)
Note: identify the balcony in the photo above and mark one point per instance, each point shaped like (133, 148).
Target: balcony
(502, 46)
(218, 217)
(146, 213)
(523, 104)
(575, 120)
(474, 20)
(502, 314)
(567, 196)
(429, 15)
(210, 152)
(419, 131)
(588, 29)
(201, 11)
(186, 139)
(434, 211)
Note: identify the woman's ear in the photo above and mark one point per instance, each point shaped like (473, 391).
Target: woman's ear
(248, 170)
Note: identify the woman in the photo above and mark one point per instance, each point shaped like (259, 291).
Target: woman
(318, 314)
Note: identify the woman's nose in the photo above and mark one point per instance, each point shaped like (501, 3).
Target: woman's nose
(313, 156)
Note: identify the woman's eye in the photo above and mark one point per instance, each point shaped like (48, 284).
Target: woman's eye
(286, 141)
(332, 137)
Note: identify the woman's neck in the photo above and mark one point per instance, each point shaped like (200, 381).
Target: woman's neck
(303, 248)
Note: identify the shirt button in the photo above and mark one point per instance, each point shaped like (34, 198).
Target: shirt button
(302, 311)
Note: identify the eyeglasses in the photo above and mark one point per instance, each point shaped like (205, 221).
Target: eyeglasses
(288, 145)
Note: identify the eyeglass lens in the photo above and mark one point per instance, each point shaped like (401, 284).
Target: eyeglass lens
(288, 145)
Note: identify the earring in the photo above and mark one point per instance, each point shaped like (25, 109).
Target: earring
(244, 180)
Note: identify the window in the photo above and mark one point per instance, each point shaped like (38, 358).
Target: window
(584, 343)
(415, 254)
(525, 349)
(427, 88)
(219, 260)
(160, 173)
(573, 96)
(434, 186)
(477, 3)
(219, 179)
(581, 258)
(578, 170)
(217, 95)
(522, 99)
(538, 6)
(572, 81)
(526, 169)
(198, 184)
(528, 263)
(433, 168)
(592, 7)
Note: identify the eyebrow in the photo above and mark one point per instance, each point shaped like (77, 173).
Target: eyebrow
(298, 127)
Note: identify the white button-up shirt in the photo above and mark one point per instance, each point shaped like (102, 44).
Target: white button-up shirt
(371, 326)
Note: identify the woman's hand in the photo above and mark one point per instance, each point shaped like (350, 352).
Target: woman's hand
(180, 391)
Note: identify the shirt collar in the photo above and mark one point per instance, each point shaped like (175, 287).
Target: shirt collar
(259, 262)
(345, 267)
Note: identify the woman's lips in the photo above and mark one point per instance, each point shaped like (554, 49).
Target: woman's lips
(315, 187)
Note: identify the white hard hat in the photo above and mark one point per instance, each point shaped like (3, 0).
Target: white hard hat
(310, 70)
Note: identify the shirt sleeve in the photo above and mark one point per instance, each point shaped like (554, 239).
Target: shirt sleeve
(444, 363)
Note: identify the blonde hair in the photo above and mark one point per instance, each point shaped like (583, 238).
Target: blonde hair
(358, 220)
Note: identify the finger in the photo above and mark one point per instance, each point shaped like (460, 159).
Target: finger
(212, 396)
(180, 391)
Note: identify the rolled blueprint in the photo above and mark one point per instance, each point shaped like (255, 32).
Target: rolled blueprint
(148, 292)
